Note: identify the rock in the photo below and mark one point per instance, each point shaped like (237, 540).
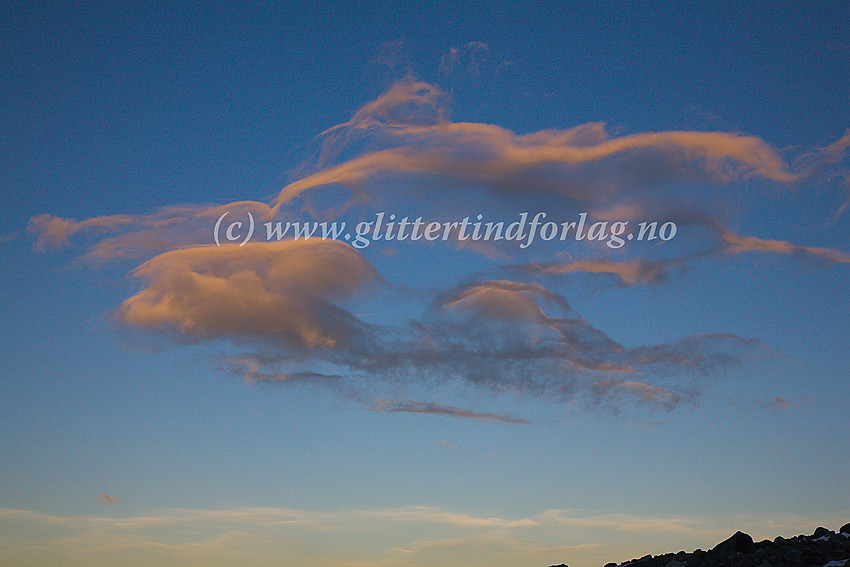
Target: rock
(823, 549)
(738, 543)
(821, 532)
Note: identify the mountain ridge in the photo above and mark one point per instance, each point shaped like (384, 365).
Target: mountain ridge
(824, 548)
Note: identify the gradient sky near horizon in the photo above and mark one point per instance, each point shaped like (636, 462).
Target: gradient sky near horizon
(420, 403)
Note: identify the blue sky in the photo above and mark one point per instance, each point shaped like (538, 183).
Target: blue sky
(446, 402)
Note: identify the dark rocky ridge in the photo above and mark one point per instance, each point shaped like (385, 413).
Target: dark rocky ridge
(824, 548)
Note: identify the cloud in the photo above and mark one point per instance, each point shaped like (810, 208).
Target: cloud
(496, 336)
(737, 244)
(287, 305)
(104, 499)
(452, 445)
(502, 299)
(524, 339)
(498, 305)
(282, 291)
(639, 271)
(628, 272)
(829, 166)
(432, 408)
(645, 393)
(582, 163)
(405, 132)
(53, 232)
(404, 535)
(285, 301)
(140, 235)
(783, 404)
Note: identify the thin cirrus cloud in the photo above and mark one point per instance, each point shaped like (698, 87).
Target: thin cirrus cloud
(645, 393)
(659, 271)
(783, 404)
(434, 408)
(139, 235)
(737, 244)
(106, 499)
(524, 339)
(423, 535)
(726, 242)
(628, 272)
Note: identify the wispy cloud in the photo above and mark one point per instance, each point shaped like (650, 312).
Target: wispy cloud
(287, 305)
(497, 335)
(406, 132)
(830, 164)
(105, 499)
(583, 162)
(432, 408)
(645, 393)
(500, 336)
(782, 404)
(737, 244)
(407, 535)
(628, 272)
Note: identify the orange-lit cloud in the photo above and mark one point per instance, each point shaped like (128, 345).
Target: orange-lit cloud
(583, 162)
(143, 234)
(737, 244)
(283, 291)
(290, 300)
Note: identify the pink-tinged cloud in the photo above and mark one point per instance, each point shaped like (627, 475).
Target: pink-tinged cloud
(737, 244)
(283, 291)
(782, 404)
(830, 166)
(104, 499)
(502, 299)
(523, 338)
(432, 408)
(280, 300)
(141, 235)
(405, 132)
(629, 272)
(285, 299)
(837, 148)
(53, 232)
(498, 336)
(645, 393)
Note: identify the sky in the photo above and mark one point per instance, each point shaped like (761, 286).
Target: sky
(583, 294)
